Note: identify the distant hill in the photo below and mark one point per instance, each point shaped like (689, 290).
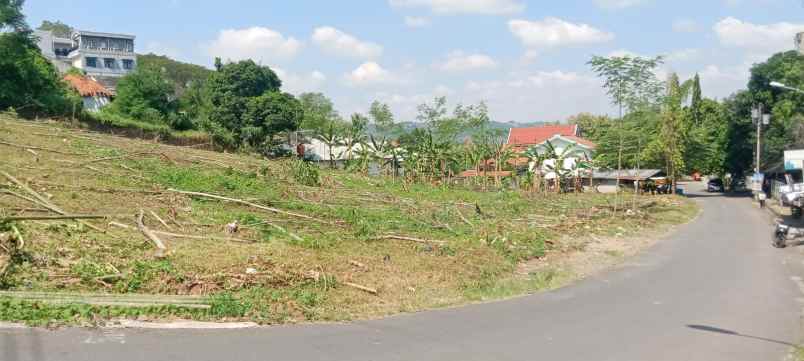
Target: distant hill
(181, 74)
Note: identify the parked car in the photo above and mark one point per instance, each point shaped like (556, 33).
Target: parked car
(738, 185)
(715, 185)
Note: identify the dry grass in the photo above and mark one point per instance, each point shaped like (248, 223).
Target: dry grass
(290, 279)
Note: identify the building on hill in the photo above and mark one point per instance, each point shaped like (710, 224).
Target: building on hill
(94, 95)
(800, 43)
(104, 57)
(520, 139)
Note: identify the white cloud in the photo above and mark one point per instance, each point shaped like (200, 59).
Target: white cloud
(554, 32)
(539, 96)
(753, 37)
(458, 61)
(299, 83)
(417, 21)
(257, 43)
(368, 74)
(685, 26)
(682, 55)
(618, 4)
(490, 7)
(722, 81)
(340, 43)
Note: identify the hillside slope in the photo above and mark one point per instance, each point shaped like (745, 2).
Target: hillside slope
(301, 253)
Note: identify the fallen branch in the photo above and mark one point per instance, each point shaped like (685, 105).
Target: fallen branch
(253, 205)
(35, 154)
(32, 192)
(160, 219)
(22, 146)
(120, 157)
(160, 253)
(187, 236)
(52, 218)
(463, 218)
(411, 239)
(357, 264)
(373, 291)
(40, 200)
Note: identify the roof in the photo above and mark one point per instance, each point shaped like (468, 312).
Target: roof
(103, 35)
(581, 141)
(537, 135)
(86, 87)
(627, 174)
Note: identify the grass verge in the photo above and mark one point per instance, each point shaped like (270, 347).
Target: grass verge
(280, 267)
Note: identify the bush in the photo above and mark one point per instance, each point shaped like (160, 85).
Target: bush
(306, 173)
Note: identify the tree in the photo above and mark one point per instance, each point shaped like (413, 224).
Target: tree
(57, 27)
(229, 91)
(331, 135)
(318, 111)
(383, 118)
(695, 103)
(11, 17)
(146, 95)
(631, 84)
(674, 129)
(182, 75)
(355, 134)
(268, 115)
(28, 81)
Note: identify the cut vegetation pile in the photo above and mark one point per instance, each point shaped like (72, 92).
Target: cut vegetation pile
(268, 241)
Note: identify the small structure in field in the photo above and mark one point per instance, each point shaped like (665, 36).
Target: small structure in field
(605, 181)
(95, 96)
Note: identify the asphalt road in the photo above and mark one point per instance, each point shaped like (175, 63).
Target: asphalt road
(715, 290)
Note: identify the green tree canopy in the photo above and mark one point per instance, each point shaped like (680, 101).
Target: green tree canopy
(11, 16)
(145, 94)
(28, 81)
(57, 27)
(269, 114)
(318, 111)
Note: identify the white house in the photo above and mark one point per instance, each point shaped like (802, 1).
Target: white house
(564, 138)
(102, 56)
(571, 148)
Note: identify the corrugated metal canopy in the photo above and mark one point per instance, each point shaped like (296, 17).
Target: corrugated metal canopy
(632, 174)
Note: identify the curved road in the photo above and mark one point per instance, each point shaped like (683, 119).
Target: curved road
(715, 290)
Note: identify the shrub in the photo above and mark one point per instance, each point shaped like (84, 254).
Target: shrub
(306, 173)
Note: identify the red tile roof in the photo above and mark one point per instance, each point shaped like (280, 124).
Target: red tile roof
(87, 87)
(537, 135)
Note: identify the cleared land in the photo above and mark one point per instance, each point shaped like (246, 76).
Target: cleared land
(353, 247)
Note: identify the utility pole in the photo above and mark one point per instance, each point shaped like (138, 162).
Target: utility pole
(758, 115)
(759, 138)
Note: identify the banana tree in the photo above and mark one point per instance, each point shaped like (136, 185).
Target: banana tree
(558, 164)
(332, 136)
(535, 163)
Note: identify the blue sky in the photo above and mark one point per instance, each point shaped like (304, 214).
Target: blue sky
(526, 59)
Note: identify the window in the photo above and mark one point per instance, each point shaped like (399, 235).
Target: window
(92, 62)
(128, 64)
(109, 63)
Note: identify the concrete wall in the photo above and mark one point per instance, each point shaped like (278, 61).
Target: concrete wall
(94, 104)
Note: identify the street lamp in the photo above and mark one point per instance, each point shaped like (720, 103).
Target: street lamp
(779, 85)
